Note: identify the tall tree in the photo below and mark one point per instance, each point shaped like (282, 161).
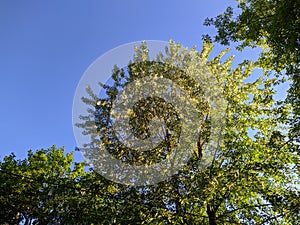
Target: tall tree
(251, 172)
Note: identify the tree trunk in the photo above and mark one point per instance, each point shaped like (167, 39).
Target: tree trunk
(211, 215)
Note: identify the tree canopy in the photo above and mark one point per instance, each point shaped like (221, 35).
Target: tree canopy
(251, 179)
(273, 25)
(36, 190)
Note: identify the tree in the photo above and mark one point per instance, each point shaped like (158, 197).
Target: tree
(251, 172)
(36, 190)
(274, 26)
(248, 181)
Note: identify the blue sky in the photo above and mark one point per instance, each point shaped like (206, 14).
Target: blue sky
(45, 47)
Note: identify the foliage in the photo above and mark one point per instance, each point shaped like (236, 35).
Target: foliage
(273, 25)
(251, 173)
(35, 190)
(251, 179)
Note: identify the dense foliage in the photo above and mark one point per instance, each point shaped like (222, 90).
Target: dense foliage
(251, 179)
(273, 25)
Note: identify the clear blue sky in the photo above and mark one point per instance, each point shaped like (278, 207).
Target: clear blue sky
(45, 47)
